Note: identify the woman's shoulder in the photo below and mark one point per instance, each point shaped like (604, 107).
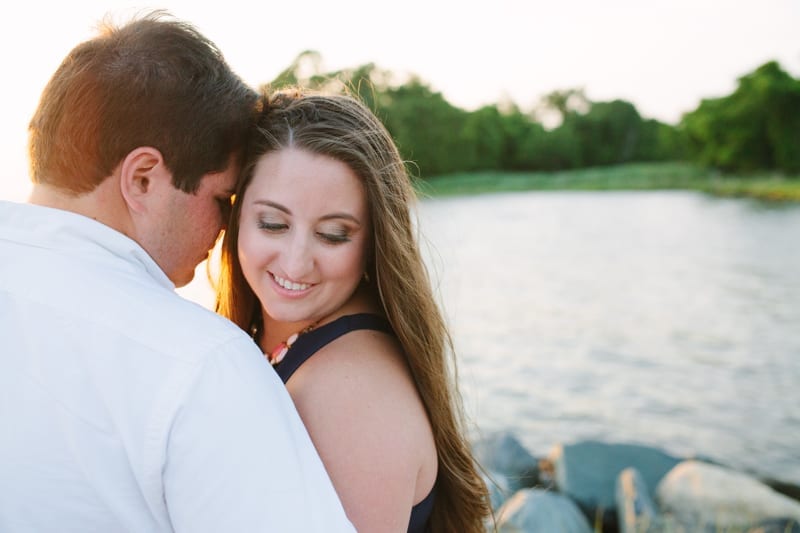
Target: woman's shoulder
(369, 353)
(361, 366)
(353, 396)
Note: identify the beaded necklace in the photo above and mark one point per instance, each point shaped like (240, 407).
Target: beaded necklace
(279, 352)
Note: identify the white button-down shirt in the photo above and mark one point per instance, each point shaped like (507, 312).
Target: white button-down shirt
(124, 407)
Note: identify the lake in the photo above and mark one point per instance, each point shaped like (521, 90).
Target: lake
(668, 319)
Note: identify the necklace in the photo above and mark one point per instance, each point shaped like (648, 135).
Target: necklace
(279, 352)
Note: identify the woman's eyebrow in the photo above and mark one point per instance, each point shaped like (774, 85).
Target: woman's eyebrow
(346, 216)
(274, 205)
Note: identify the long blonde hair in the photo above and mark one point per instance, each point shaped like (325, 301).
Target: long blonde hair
(341, 127)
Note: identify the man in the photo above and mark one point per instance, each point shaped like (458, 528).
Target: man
(125, 407)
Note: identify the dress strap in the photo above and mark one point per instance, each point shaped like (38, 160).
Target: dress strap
(309, 343)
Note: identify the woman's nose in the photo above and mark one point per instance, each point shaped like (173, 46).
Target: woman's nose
(298, 259)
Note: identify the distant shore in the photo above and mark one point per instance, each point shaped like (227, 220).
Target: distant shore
(631, 177)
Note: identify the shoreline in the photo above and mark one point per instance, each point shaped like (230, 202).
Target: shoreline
(764, 186)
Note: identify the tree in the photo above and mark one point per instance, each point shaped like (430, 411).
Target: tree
(484, 138)
(607, 134)
(523, 141)
(428, 130)
(305, 71)
(659, 142)
(554, 106)
(755, 127)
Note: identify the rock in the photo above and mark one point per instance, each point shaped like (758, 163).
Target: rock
(502, 453)
(714, 495)
(780, 525)
(499, 488)
(785, 488)
(636, 512)
(538, 510)
(587, 471)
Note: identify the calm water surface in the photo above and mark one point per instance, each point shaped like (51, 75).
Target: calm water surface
(667, 319)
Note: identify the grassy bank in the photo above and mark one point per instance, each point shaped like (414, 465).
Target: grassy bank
(637, 177)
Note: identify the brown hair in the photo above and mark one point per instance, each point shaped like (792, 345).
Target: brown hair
(152, 82)
(341, 127)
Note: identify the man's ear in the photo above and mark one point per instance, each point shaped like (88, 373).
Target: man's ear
(142, 176)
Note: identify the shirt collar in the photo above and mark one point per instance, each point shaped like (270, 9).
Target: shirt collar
(75, 234)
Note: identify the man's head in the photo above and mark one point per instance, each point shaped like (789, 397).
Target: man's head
(153, 82)
(153, 98)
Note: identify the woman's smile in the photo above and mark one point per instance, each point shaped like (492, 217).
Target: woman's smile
(291, 285)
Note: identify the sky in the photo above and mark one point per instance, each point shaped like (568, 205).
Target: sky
(664, 56)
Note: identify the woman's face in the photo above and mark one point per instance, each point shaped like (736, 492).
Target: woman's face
(303, 235)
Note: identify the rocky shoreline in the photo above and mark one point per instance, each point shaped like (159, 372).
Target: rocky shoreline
(593, 486)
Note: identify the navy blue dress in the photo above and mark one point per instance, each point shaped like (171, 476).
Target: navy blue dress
(309, 343)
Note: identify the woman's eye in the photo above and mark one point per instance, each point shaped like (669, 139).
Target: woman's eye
(272, 226)
(334, 238)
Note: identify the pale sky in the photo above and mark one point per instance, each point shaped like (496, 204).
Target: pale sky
(663, 56)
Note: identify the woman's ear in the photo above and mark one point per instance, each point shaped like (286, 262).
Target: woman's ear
(142, 176)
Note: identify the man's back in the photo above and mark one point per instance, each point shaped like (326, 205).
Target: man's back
(129, 408)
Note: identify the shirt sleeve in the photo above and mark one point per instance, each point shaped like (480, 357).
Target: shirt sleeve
(239, 457)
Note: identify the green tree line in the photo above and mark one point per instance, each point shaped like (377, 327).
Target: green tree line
(755, 128)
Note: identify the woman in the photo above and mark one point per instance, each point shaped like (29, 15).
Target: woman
(321, 265)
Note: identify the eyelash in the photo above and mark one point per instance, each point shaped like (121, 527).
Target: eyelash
(331, 238)
(271, 226)
(334, 238)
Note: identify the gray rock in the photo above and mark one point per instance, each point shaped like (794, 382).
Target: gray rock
(499, 488)
(784, 487)
(502, 453)
(538, 510)
(721, 497)
(587, 471)
(776, 526)
(636, 511)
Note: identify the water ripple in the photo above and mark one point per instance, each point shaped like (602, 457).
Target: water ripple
(667, 319)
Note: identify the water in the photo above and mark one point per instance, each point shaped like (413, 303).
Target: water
(669, 319)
